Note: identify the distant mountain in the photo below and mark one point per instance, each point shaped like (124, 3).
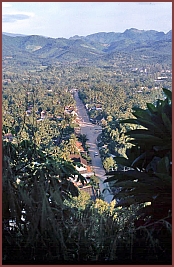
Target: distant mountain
(133, 34)
(143, 35)
(168, 36)
(93, 47)
(13, 34)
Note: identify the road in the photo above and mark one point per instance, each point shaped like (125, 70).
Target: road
(91, 131)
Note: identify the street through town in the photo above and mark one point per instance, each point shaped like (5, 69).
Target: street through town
(92, 131)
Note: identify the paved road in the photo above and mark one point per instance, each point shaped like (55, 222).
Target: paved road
(92, 131)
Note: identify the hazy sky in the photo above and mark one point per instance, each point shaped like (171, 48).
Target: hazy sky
(66, 19)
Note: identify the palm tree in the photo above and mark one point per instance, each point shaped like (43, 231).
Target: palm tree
(145, 184)
(83, 138)
(149, 160)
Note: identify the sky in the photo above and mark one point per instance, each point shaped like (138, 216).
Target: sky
(66, 19)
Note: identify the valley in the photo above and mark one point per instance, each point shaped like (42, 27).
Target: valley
(86, 120)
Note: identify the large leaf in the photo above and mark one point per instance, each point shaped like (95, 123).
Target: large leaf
(168, 93)
(122, 161)
(138, 131)
(147, 138)
(164, 147)
(127, 202)
(129, 175)
(167, 123)
(143, 114)
(151, 107)
(163, 165)
(143, 159)
(154, 124)
(166, 180)
(150, 125)
(150, 155)
(131, 121)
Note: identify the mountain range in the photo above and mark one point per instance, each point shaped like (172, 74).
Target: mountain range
(90, 48)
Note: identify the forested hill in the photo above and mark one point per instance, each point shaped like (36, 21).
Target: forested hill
(93, 48)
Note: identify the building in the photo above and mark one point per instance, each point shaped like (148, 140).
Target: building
(8, 137)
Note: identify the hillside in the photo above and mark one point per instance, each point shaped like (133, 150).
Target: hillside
(92, 48)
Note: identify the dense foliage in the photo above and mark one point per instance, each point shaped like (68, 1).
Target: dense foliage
(46, 218)
(148, 178)
(44, 223)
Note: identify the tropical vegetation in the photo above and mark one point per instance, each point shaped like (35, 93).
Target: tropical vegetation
(47, 220)
(120, 78)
